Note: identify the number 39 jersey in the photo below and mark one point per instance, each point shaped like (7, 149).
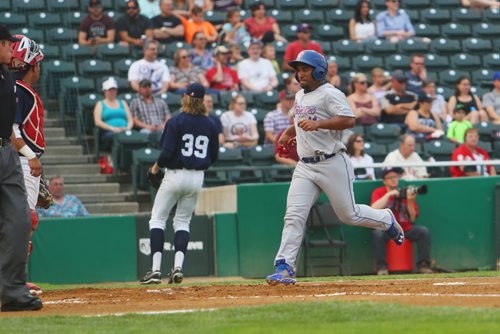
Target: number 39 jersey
(189, 142)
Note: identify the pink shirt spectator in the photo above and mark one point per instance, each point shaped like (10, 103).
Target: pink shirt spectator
(294, 48)
(257, 30)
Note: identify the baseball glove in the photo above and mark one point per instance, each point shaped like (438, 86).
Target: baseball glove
(284, 151)
(45, 199)
(155, 179)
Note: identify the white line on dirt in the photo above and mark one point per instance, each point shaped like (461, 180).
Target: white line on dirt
(150, 312)
(64, 301)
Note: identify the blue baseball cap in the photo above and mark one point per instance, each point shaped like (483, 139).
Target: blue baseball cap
(496, 76)
(195, 90)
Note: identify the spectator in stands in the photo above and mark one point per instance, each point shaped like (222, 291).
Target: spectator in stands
(417, 74)
(234, 29)
(364, 104)
(406, 154)
(293, 158)
(208, 102)
(355, 151)
(64, 205)
(481, 4)
(422, 123)
(439, 104)
(457, 128)
(380, 84)
(221, 77)
(134, 28)
(197, 24)
(150, 113)
(149, 68)
(474, 111)
(406, 211)
(302, 43)
(240, 126)
(470, 151)
(96, 27)
(397, 102)
(269, 53)
(291, 84)
(491, 100)
(182, 8)
(394, 24)
(361, 26)
(257, 74)
(183, 73)
(226, 5)
(261, 26)
(200, 55)
(150, 8)
(278, 120)
(235, 55)
(167, 27)
(111, 115)
(337, 80)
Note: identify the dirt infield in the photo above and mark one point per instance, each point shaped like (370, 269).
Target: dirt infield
(469, 292)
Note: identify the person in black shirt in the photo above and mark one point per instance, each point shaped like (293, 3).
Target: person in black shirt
(397, 102)
(167, 27)
(134, 28)
(15, 217)
(189, 145)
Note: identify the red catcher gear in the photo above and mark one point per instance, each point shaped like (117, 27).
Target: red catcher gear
(34, 220)
(25, 52)
(32, 124)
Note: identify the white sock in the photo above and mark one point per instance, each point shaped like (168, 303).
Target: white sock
(156, 262)
(179, 260)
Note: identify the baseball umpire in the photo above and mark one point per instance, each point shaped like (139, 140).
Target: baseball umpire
(189, 145)
(321, 113)
(15, 218)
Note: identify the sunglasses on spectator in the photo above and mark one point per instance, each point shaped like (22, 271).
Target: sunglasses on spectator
(184, 57)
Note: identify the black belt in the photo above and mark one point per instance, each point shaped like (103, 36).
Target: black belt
(317, 158)
(4, 142)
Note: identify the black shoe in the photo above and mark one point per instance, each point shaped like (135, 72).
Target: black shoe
(176, 276)
(152, 277)
(33, 304)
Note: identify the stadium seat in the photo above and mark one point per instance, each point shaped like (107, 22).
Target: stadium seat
(463, 15)
(427, 30)
(365, 63)
(76, 52)
(124, 143)
(35, 34)
(44, 20)
(492, 15)
(227, 158)
(496, 43)
(383, 133)
(112, 52)
(260, 113)
(50, 51)
(477, 45)
(95, 68)
(447, 4)
(348, 47)
(414, 14)
(377, 151)
(61, 36)
(63, 6)
(86, 104)
(267, 3)
(450, 77)
(329, 32)
(13, 20)
(215, 17)
(413, 45)
(487, 30)
(173, 101)
(445, 91)
(492, 60)
(122, 66)
(485, 130)
(329, 4)
(53, 71)
(5, 6)
(267, 100)
(339, 17)
(108, 5)
(291, 4)
(435, 15)
(71, 88)
(466, 61)
(441, 150)
(381, 47)
(25, 6)
(446, 46)
(308, 16)
(454, 30)
(289, 31)
(282, 16)
(435, 62)
(397, 61)
(73, 19)
(142, 159)
(343, 63)
(417, 4)
(260, 155)
(325, 46)
(482, 77)
(479, 91)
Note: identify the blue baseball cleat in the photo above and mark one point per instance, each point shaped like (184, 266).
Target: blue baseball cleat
(395, 231)
(284, 274)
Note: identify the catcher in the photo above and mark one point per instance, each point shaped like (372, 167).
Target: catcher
(27, 135)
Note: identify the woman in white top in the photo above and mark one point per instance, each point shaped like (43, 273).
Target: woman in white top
(361, 26)
(363, 103)
(439, 105)
(355, 145)
(240, 126)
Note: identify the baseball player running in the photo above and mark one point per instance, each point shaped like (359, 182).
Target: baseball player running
(321, 113)
(189, 145)
(27, 134)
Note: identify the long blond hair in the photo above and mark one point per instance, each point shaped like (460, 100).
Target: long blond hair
(193, 106)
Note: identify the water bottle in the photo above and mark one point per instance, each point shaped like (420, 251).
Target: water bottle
(472, 109)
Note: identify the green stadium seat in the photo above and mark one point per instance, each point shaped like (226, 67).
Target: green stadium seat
(308, 16)
(61, 36)
(339, 17)
(5, 6)
(260, 113)
(454, 30)
(267, 3)
(329, 4)
(343, 63)
(487, 30)
(377, 151)
(282, 16)
(71, 88)
(381, 47)
(441, 150)
(73, 19)
(492, 15)
(365, 63)
(348, 47)
(215, 17)
(325, 46)
(482, 77)
(466, 61)
(108, 5)
(44, 20)
(142, 159)
(379, 5)
(383, 133)
(427, 30)
(86, 103)
(445, 91)
(50, 52)
(329, 32)
(463, 15)
(413, 45)
(63, 6)
(477, 45)
(417, 4)
(479, 91)
(245, 14)
(227, 158)
(260, 155)
(436, 62)
(446, 46)
(173, 101)
(289, 31)
(53, 71)
(496, 43)
(122, 66)
(76, 52)
(414, 14)
(35, 34)
(267, 100)
(291, 4)
(112, 52)
(492, 60)
(124, 143)
(28, 6)
(487, 146)
(127, 96)
(13, 20)
(397, 61)
(485, 130)
(450, 77)
(95, 68)
(435, 15)
(447, 4)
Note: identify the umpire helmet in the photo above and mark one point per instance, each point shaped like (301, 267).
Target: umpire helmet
(314, 59)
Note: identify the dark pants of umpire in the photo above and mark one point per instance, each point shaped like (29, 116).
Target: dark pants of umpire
(15, 225)
(417, 233)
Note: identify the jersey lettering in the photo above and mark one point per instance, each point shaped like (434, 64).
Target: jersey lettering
(197, 146)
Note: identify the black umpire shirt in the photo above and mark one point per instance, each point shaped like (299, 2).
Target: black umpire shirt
(8, 102)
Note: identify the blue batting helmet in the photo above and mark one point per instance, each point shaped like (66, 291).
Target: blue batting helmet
(314, 59)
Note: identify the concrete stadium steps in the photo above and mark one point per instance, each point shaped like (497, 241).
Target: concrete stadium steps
(54, 132)
(83, 178)
(112, 208)
(58, 141)
(67, 159)
(92, 188)
(73, 150)
(63, 170)
(51, 123)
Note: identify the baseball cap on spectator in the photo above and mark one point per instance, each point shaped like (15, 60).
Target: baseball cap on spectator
(387, 170)
(144, 83)
(424, 97)
(496, 76)
(304, 27)
(255, 41)
(399, 76)
(5, 34)
(195, 90)
(109, 84)
(459, 107)
(94, 3)
(221, 49)
(286, 94)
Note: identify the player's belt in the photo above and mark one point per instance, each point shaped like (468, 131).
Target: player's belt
(317, 158)
(4, 142)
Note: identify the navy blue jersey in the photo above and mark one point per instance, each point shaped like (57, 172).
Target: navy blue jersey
(217, 122)
(189, 142)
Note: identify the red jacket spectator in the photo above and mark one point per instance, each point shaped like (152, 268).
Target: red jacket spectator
(302, 43)
(471, 152)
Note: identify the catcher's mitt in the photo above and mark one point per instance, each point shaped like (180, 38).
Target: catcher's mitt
(45, 199)
(155, 179)
(284, 151)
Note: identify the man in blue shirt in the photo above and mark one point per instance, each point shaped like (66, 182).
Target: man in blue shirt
(394, 24)
(417, 74)
(64, 205)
